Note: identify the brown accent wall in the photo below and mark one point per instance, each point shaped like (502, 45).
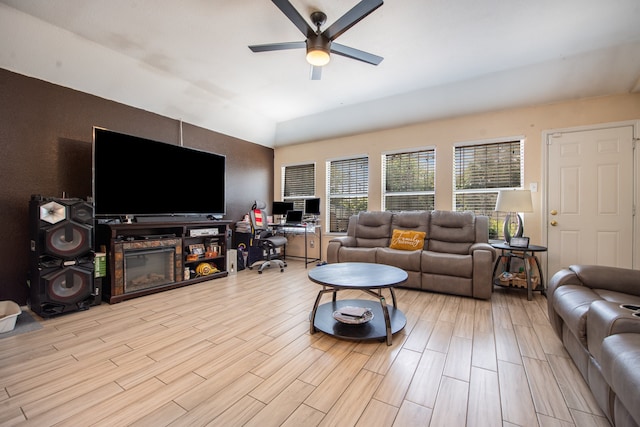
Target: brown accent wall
(45, 148)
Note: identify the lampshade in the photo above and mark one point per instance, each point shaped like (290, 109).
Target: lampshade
(318, 49)
(514, 201)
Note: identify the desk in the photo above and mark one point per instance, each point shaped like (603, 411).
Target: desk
(283, 229)
(529, 258)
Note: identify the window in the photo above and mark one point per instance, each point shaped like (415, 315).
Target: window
(298, 184)
(348, 190)
(480, 171)
(408, 181)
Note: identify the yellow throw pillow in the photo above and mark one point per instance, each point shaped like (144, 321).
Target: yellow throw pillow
(407, 240)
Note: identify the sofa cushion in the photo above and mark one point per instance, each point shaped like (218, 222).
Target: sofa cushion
(621, 368)
(617, 297)
(451, 232)
(407, 240)
(599, 276)
(447, 264)
(409, 261)
(373, 229)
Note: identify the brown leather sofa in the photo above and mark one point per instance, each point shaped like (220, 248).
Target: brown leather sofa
(595, 311)
(456, 257)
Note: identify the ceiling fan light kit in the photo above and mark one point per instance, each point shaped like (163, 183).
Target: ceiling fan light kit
(319, 44)
(318, 49)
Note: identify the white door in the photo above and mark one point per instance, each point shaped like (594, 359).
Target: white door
(590, 193)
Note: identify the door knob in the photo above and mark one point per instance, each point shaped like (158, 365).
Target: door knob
(554, 223)
(554, 212)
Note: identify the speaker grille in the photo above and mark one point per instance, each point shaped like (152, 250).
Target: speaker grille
(67, 240)
(68, 285)
(82, 212)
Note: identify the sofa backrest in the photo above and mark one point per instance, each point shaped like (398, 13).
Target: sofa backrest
(373, 229)
(411, 220)
(446, 231)
(451, 232)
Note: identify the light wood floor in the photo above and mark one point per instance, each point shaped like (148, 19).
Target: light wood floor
(237, 351)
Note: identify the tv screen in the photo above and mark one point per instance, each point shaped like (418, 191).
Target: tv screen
(141, 177)
(312, 206)
(281, 208)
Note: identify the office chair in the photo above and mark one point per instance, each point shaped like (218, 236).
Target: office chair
(264, 239)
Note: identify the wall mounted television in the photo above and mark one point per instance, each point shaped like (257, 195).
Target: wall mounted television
(143, 178)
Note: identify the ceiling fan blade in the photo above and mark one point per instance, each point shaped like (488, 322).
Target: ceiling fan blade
(316, 72)
(351, 18)
(277, 46)
(294, 16)
(360, 55)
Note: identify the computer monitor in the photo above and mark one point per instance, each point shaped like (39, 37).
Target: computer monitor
(281, 208)
(312, 206)
(294, 217)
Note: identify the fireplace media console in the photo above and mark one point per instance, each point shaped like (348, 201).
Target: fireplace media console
(149, 257)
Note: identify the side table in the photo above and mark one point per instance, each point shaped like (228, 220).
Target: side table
(530, 261)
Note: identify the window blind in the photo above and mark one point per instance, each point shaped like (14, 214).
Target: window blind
(480, 172)
(409, 180)
(348, 190)
(298, 184)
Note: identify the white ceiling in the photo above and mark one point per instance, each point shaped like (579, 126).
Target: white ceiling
(189, 59)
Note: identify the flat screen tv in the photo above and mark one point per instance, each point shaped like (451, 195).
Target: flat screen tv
(312, 206)
(139, 177)
(281, 208)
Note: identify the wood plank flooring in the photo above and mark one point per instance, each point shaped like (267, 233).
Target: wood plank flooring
(237, 351)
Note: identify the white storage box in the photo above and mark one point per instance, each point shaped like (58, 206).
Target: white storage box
(9, 312)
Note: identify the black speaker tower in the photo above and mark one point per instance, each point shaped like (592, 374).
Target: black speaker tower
(61, 256)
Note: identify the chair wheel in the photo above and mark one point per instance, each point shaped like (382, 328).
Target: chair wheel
(282, 270)
(259, 271)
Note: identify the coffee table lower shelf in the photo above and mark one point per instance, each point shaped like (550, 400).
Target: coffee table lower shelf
(375, 329)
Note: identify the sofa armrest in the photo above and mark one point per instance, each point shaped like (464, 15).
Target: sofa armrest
(566, 276)
(483, 260)
(484, 247)
(336, 243)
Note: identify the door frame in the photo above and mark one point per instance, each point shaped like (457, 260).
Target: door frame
(546, 135)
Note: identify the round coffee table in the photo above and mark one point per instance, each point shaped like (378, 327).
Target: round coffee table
(369, 278)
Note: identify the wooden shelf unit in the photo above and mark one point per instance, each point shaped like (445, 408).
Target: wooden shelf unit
(121, 240)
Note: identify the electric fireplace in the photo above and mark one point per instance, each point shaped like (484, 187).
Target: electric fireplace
(146, 264)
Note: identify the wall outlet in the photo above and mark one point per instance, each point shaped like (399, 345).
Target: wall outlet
(312, 243)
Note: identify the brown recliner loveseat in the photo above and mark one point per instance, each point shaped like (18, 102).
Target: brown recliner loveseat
(595, 310)
(456, 257)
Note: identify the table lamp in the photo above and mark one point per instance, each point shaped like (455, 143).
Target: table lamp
(513, 202)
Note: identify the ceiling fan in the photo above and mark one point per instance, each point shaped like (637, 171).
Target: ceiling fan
(320, 44)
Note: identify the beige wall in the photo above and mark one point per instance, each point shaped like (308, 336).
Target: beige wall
(528, 122)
